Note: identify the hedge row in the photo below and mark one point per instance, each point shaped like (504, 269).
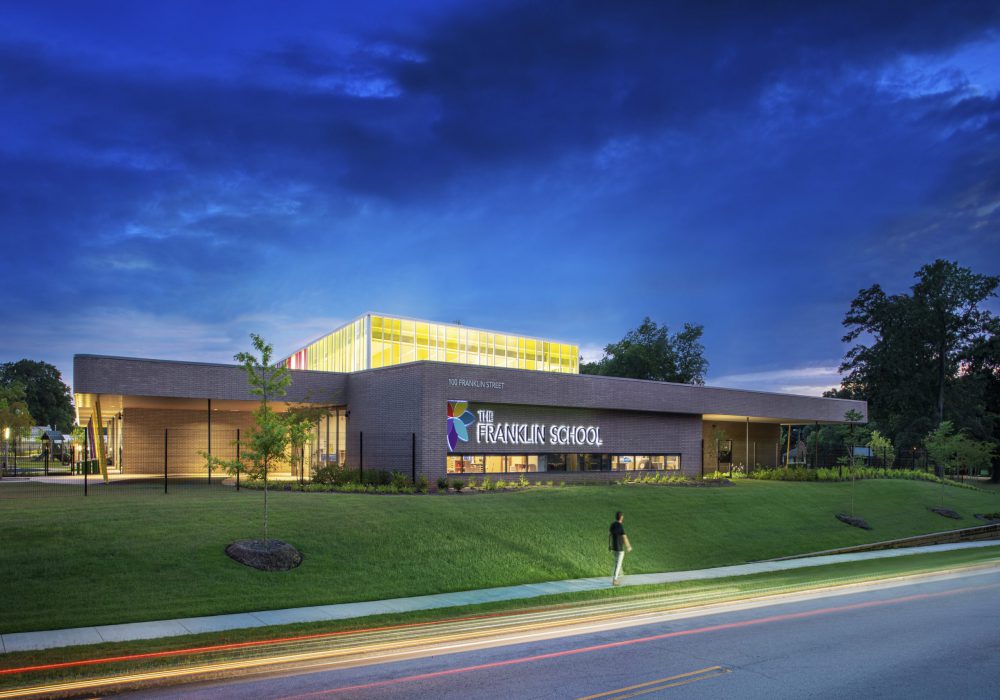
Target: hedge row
(836, 474)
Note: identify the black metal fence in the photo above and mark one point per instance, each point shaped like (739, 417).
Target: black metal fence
(176, 460)
(26, 457)
(745, 458)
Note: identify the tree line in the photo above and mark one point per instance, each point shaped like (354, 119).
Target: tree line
(927, 362)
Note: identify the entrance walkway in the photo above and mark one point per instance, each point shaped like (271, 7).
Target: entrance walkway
(28, 641)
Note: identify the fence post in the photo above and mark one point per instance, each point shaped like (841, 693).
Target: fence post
(237, 459)
(413, 457)
(166, 432)
(361, 457)
(46, 462)
(210, 442)
(86, 467)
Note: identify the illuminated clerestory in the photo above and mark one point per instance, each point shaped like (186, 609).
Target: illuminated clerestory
(375, 340)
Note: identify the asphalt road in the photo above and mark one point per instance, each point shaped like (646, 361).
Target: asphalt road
(931, 639)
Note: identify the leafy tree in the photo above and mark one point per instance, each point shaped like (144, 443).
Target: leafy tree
(651, 352)
(981, 381)
(950, 297)
(46, 394)
(882, 447)
(956, 450)
(14, 414)
(915, 348)
(266, 443)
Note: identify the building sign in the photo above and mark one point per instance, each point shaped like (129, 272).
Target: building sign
(486, 431)
(476, 383)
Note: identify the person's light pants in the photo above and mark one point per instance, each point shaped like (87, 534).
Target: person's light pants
(619, 558)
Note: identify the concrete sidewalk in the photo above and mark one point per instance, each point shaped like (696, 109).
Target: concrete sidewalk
(29, 641)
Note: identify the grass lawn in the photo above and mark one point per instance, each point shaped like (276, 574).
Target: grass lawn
(659, 597)
(67, 561)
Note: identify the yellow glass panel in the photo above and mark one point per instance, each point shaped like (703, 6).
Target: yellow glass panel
(407, 332)
(395, 353)
(422, 353)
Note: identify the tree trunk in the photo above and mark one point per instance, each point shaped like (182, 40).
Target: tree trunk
(940, 400)
(265, 505)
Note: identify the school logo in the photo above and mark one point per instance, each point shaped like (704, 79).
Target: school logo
(459, 420)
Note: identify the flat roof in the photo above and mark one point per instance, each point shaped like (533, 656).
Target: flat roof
(120, 376)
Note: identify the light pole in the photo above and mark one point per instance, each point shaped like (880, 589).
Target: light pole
(6, 441)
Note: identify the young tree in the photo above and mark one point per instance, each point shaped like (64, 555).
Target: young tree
(956, 450)
(266, 443)
(881, 446)
(47, 396)
(651, 352)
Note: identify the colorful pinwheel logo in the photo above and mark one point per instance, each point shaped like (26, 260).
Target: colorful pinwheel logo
(459, 420)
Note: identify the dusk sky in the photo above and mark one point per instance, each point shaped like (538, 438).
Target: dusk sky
(176, 175)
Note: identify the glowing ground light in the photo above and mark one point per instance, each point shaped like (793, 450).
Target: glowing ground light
(459, 420)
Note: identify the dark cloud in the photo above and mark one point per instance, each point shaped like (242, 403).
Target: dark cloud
(687, 132)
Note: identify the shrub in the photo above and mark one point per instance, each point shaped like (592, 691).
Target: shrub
(443, 483)
(422, 484)
(399, 480)
(376, 477)
(333, 473)
(488, 484)
(458, 484)
(523, 482)
(550, 482)
(845, 473)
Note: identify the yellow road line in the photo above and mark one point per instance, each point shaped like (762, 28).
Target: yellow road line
(705, 677)
(713, 670)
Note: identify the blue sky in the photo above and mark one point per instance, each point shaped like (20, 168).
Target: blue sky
(176, 175)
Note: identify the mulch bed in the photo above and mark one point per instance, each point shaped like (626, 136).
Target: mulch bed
(851, 520)
(273, 556)
(947, 513)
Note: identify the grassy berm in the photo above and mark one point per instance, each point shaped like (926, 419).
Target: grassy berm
(68, 561)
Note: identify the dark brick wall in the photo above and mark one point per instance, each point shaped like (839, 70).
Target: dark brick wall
(95, 374)
(388, 405)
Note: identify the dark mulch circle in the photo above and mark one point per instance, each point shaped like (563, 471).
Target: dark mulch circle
(851, 520)
(273, 556)
(946, 512)
(989, 517)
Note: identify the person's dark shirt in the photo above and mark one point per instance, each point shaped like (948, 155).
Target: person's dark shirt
(617, 537)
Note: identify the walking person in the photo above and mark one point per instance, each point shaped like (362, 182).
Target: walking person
(618, 544)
